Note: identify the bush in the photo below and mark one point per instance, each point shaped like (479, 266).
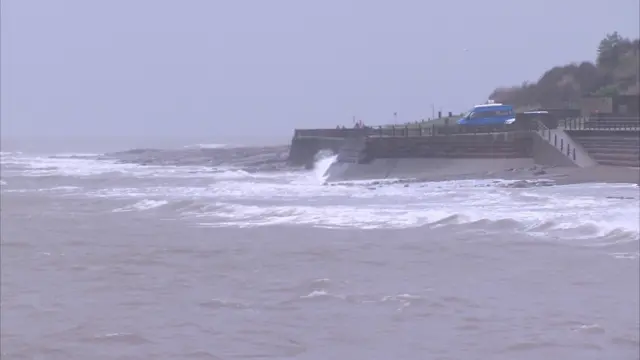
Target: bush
(615, 71)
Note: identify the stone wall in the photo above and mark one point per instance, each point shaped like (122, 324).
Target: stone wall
(479, 146)
(304, 149)
(352, 151)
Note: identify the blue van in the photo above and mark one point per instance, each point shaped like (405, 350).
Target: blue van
(489, 114)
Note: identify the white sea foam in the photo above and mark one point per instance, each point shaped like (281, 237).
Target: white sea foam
(321, 166)
(142, 205)
(75, 155)
(241, 199)
(626, 255)
(61, 188)
(585, 210)
(74, 165)
(36, 166)
(209, 146)
(55, 189)
(315, 293)
(586, 223)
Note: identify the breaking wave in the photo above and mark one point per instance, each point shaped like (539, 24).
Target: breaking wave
(251, 187)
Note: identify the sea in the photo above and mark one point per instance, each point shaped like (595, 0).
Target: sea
(226, 252)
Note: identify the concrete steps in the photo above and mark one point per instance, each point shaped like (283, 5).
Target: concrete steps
(613, 150)
(605, 145)
(613, 137)
(613, 140)
(612, 155)
(625, 163)
(615, 159)
(611, 144)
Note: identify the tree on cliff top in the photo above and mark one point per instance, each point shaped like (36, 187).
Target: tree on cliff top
(615, 72)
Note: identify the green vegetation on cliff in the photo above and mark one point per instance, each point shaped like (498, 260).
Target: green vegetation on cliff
(614, 72)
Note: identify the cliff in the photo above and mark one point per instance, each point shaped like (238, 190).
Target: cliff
(614, 72)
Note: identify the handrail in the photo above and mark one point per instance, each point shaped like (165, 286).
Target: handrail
(541, 125)
(434, 130)
(604, 123)
(336, 133)
(543, 129)
(611, 124)
(410, 131)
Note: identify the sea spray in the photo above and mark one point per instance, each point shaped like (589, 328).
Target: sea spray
(323, 161)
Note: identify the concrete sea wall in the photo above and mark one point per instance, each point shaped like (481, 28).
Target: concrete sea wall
(470, 146)
(556, 147)
(440, 156)
(306, 143)
(454, 152)
(545, 153)
(433, 169)
(303, 150)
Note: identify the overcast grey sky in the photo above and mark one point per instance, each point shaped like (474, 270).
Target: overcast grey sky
(241, 69)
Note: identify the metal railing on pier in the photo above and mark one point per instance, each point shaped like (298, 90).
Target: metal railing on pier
(332, 133)
(424, 129)
(595, 123)
(434, 130)
(414, 130)
(552, 139)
